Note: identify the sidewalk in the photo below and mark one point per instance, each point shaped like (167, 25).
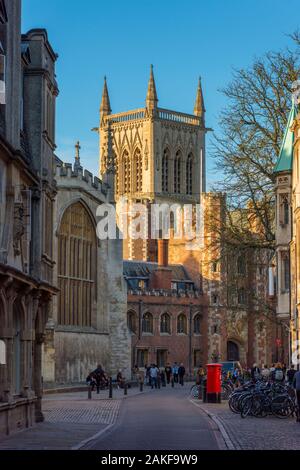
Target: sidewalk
(251, 433)
(70, 419)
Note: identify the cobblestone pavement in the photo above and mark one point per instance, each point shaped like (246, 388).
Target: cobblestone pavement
(251, 433)
(161, 420)
(69, 419)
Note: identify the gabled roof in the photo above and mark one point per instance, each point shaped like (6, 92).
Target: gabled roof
(285, 161)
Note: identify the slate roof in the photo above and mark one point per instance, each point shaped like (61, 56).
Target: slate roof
(143, 269)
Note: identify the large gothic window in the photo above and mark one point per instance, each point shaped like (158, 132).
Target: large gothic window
(138, 162)
(76, 267)
(132, 322)
(189, 175)
(147, 323)
(177, 173)
(182, 324)
(165, 324)
(197, 324)
(127, 172)
(165, 171)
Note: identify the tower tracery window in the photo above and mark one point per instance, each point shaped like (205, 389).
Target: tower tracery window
(76, 267)
(127, 172)
(189, 175)
(165, 171)
(177, 173)
(138, 161)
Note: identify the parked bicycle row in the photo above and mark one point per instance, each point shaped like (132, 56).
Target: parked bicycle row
(261, 398)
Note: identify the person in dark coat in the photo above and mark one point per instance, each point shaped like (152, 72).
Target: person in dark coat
(168, 371)
(291, 374)
(181, 374)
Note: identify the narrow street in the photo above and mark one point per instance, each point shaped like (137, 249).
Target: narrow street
(163, 420)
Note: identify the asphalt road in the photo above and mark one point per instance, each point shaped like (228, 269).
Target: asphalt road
(160, 420)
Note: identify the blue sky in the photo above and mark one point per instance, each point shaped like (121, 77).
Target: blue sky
(120, 39)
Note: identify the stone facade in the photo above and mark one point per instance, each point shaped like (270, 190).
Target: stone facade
(27, 188)
(159, 157)
(88, 322)
(286, 190)
(295, 246)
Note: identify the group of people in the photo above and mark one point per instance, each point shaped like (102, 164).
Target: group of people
(276, 373)
(156, 377)
(99, 380)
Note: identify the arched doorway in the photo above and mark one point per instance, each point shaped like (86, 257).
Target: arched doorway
(233, 352)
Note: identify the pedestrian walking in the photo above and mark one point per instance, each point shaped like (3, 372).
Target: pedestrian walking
(175, 372)
(163, 378)
(147, 375)
(291, 374)
(296, 383)
(200, 374)
(181, 374)
(154, 376)
(168, 371)
(120, 379)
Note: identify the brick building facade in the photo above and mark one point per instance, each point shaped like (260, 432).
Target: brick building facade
(160, 158)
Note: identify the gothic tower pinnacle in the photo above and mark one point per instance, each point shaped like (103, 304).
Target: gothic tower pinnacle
(199, 109)
(151, 100)
(105, 108)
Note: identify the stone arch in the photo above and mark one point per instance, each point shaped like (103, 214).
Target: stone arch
(73, 201)
(76, 266)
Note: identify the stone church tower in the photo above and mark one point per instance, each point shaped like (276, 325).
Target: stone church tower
(159, 156)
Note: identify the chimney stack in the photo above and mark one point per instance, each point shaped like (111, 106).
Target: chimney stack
(162, 277)
(163, 253)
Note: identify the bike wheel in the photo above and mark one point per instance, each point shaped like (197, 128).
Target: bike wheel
(195, 391)
(226, 391)
(247, 407)
(233, 403)
(282, 407)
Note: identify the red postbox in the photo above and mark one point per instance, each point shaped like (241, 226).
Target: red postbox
(214, 383)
